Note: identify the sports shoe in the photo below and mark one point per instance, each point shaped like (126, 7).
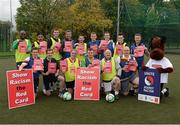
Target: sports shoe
(166, 93)
(117, 97)
(131, 92)
(61, 93)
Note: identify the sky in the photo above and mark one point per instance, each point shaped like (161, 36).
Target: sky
(5, 9)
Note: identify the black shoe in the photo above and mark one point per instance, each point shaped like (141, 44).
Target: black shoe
(117, 97)
(131, 92)
(166, 94)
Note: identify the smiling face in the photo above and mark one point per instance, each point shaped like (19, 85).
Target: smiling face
(40, 37)
(93, 36)
(56, 33)
(22, 34)
(107, 54)
(81, 39)
(120, 39)
(49, 54)
(90, 53)
(137, 39)
(126, 51)
(107, 36)
(73, 54)
(35, 53)
(68, 35)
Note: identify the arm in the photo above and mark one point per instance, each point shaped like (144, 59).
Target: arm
(29, 47)
(15, 44)
(49, 43)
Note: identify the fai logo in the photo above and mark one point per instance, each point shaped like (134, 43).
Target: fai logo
(149, 80)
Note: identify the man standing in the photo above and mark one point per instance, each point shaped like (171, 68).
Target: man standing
(55, 43)
(67, 44)
(22, 47)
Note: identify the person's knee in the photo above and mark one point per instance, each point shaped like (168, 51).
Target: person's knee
(125, 93)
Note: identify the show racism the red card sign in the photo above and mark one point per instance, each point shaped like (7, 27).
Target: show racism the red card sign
(20, 88)
(87, 84)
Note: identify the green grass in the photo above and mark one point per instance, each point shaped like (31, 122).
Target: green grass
(126, 110)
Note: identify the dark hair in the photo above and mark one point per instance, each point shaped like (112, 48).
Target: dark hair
(49, 50)
(35, 48)
(121, 34)
(137, 34)
(55, 29)
(90, 49)
(93, 32)
(106, 32)
(68, 31)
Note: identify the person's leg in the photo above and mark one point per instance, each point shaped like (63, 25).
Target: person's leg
(36, 84)
(125, 87)
(107, 87)
(116, 86)
(46, 83)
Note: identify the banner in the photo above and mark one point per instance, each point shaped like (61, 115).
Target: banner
(87, 84)
(20, 87)
(149, 86)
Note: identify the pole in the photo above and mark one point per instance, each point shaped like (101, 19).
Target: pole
(118, 15)
(11, 26)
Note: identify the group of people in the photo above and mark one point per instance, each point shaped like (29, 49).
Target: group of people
(57, 60)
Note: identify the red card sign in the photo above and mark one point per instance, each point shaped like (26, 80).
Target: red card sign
(87, 84)
(139, 51)
(119, 49)
(52, 67)
(38, 65)
(103, 45)
(43, 47)
(20, 88)
(63, 66)
(108, 67)
(22, 47)
(68, 46)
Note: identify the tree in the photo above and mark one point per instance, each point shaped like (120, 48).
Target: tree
(86, 16)
(39, 15)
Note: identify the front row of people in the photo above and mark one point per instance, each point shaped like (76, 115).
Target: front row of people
(116, 73)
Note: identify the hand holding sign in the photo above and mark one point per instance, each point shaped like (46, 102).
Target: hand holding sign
(38, 65)
(103, 45)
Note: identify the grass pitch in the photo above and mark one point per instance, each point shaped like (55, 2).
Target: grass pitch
(126, 110)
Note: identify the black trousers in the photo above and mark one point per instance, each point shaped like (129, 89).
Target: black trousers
(49, 80)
